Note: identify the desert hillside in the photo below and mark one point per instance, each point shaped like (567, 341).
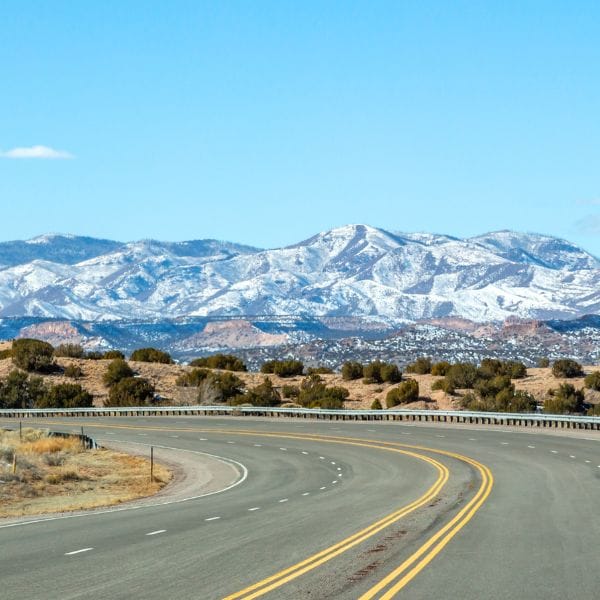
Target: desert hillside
(164, 377)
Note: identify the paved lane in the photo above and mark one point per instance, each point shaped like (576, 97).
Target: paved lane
(536, 534)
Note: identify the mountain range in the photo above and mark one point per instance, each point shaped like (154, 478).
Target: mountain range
(355, 270)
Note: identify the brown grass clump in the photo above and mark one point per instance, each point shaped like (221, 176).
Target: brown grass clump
(56, 474)
(52, 444)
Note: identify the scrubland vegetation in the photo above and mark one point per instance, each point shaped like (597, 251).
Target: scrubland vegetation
(41, 473)
(45, 377)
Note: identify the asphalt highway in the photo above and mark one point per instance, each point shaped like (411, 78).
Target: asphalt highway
(332, 510)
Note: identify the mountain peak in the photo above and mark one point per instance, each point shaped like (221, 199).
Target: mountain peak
(349, 271)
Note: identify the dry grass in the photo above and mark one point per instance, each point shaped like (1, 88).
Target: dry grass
(55, 474)
(51, 444)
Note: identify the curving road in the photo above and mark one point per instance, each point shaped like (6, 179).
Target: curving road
(328, 510)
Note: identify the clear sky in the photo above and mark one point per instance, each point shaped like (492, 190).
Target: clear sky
(266, 122)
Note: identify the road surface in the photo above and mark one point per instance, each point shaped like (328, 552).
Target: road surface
(332, 510)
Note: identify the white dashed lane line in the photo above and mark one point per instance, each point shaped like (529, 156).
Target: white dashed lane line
(504, 443)
(257, 445)
(157, 532)
(254, 508)
(174, 436)
(231, 442)
(202, 439)
(321, 457)
(304, 452)
(554, 451)
(78, 551)
(322, 488)
(306, 494)
(531, 446)
(284, 449)
(212, 518)
(284, 500)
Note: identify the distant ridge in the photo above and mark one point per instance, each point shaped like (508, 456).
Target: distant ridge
(350, 271)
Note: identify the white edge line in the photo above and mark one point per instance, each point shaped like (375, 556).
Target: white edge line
(78, 551)
(157, 532)
(244, 476)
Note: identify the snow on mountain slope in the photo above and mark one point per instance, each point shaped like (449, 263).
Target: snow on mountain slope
(537, 249)
(355, 270)
(65, 249)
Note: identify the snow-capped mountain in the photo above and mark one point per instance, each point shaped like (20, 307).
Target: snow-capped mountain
(354, 270)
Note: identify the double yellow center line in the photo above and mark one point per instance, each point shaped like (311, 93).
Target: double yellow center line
(398, 578)
(390, 585)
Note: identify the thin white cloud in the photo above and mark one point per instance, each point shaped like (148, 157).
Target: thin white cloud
(588, 225)
(44, 152)
(589, 202)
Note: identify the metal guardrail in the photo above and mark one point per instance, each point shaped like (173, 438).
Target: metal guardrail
(445, 416)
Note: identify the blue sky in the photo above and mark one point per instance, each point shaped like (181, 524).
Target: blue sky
(265, 122)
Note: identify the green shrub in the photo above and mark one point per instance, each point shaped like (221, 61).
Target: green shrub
(378, 372)
(543, 363)
(263, 394)
(33, 355)
(372, 372)
(390, 373)
(65, 395)
(69, 350)
(491, 367)
(19, 390)
(407, 391)
(319, 371)
(443, 384)
(4, 354)
(290, 391)
(564, 400)
(94, 355)
(462, 375)
(219, 387)
(352, 370)
(73, 371)
(440, 368)
(376, 405)
(192, 378)
(489, 388)
(131, 391)
(594, 411)
(117, 370)
(515, 402)
(566, 367)
(226, 362)
(151, 355)
(314, 393)
(421, 366)
(592, 381)
(283, 368)
(113, 354)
